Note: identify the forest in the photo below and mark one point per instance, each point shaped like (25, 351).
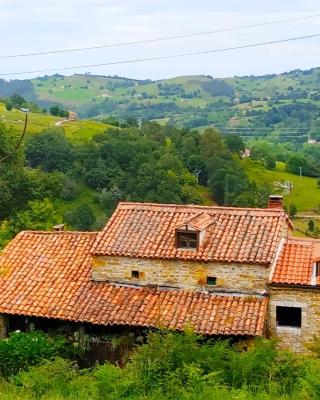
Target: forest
(52, 179)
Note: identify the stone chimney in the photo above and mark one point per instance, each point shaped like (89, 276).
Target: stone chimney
(58, 228)
(275, 201)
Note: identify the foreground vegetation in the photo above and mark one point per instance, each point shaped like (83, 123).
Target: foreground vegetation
(168, 366)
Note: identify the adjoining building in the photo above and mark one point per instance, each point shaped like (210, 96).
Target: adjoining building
(223, 271)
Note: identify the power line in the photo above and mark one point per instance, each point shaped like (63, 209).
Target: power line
(160, 39)
(136, 60)
(19, 142)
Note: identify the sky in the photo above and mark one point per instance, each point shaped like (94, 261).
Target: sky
(38, 25)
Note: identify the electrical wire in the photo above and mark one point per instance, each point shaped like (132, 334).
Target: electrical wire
(160, 39)
(19, 142)
(137, 60)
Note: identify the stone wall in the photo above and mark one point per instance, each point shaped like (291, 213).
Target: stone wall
(3, 326)
(181, 274)
(309, 301)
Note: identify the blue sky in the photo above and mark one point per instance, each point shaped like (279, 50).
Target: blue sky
(36, 25)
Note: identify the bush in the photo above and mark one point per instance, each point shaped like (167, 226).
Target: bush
(8, 106)
(70, 189)
(81, 217)
(22, 350)
(174, 366)
(292, 210)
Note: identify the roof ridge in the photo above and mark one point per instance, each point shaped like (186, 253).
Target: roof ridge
(59, 232)
(198, 206)
(302, 239)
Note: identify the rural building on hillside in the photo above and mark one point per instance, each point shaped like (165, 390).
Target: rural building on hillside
(72, 116)
(222, 271)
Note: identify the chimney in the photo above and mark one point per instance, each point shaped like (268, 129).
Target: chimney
(275, 201)
(58, 228)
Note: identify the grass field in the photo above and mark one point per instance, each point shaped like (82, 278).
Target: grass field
(75, 130)
(305, 194)
(84, 129)
(36, 122)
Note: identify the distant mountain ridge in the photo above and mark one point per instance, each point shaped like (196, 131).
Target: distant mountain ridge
(275, 101)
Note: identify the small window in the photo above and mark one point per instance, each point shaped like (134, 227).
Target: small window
(211, 280)
(317, 269)
(187, 240)
(289, 316)
(135, 274)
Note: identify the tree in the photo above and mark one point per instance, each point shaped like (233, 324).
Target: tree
(81, 217)
(292, 210)
(212, 144)
(8, 106)
(270, 161)
(297, 161)
(311, 225)
(50, 150)
(234, 143)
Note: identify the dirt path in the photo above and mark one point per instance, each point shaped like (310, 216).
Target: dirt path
(59, 123)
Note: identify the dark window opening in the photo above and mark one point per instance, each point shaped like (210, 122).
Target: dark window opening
(289, 316)
(135, 274)
(187, 240)
(211, 280)
(317, 269)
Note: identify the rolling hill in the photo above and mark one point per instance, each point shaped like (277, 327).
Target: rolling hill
(37, 122)
(259, 103)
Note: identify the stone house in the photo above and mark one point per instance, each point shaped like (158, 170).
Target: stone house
(223, 271)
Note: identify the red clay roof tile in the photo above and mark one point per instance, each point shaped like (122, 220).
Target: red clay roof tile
(231, 234)
(294, 264)
(48, 274)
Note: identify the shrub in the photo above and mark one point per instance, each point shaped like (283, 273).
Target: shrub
(70, 189)
(292, 210)
(21, 350)
(311, 225)
(81, 217)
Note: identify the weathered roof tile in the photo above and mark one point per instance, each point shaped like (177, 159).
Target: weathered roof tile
(53, 280)
(231, 234)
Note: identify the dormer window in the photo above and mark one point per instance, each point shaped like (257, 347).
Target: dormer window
(315, 273)
(187, 239)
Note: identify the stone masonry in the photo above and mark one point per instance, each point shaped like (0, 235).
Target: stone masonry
(309, 301)
(180, 274)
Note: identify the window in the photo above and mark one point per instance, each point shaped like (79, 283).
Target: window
(289, 316)
(187, 240)
(135, 274)
(211, 280)
(317, 269)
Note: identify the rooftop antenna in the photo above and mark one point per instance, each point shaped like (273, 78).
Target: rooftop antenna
(286, 186)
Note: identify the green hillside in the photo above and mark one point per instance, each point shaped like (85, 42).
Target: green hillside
(288, 100)
(37, 122)
(305, 194)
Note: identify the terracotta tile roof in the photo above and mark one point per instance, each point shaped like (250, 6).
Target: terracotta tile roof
(48, 275)
(199, 222)
(294, 264)
(234, 234)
